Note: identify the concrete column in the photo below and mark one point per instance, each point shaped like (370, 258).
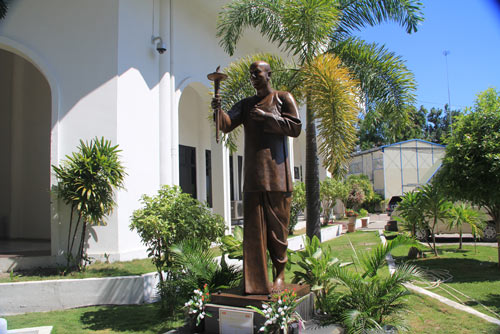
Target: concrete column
(221, 195)
(165, 97)
(17, 149)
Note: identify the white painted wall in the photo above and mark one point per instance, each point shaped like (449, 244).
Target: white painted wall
(106, 79)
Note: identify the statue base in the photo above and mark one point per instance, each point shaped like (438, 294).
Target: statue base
(230, 313)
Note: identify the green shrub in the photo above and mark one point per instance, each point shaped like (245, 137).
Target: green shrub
(298, 204)
(363, 213)
(330, 191)
(194, 266)
(86, 182)
(170, 217)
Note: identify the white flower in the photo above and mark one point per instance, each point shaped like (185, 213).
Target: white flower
(280, 309)
(262, 329)
(265, 306)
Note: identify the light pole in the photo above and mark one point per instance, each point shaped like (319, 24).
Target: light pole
(446, 53)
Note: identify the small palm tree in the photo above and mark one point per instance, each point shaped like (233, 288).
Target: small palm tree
(463, 213)
(307, 29)
(435, 208)
(372, 301)
(87, 180)
(410, 214)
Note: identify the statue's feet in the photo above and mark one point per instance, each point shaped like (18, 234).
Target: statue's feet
(278, 286)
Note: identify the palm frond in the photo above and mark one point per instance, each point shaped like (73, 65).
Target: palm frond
(376, 258)
(384, 78)
(359, 14)
(199, 266)
(238, 15)
(299, 27)
(333, 96)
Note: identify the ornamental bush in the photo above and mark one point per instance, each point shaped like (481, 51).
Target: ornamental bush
(169, 218)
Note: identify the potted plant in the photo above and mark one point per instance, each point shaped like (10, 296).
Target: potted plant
(364, 217)
(351, 215)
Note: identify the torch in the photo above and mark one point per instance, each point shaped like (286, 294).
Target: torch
(217, 77)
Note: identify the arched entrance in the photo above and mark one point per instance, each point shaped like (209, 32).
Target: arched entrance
(25, 139)
(195, 174)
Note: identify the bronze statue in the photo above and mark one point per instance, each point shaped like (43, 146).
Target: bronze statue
(268, 118)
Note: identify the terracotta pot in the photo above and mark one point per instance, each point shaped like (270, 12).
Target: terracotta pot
(364, 222)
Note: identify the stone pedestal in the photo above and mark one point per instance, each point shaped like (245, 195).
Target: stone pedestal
(234, 301)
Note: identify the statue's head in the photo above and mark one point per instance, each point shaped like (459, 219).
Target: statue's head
(260, 74)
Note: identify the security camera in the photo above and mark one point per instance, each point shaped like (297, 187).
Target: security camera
(160, 46)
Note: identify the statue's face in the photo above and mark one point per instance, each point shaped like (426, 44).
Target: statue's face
(259, 74)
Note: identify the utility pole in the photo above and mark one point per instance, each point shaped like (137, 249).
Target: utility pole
(446, 53)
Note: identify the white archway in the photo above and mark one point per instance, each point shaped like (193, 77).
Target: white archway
(28, 121)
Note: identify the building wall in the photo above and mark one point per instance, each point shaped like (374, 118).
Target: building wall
(410, 164)
(106, 79)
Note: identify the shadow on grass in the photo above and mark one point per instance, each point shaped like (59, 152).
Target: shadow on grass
(491, 301)
(463, 270)
(135, 318)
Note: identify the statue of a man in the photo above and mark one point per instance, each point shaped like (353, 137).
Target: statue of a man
(268, 117)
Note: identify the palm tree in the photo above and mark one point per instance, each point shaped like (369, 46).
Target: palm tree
(461, 214)
(309, 28)
(435, 208)
(410, 214)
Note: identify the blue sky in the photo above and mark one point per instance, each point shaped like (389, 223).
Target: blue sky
(469, 30)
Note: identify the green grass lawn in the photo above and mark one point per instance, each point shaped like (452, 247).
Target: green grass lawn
(101, 320)
(98, 269)
(342, 249)
(429, 316)
(474, 274)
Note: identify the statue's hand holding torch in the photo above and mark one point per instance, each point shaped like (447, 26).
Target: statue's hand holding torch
(216, 77)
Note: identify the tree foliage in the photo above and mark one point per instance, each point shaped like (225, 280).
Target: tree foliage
(298, 204)
(471, 165)
(463, 213)
(307, 29)
(169, 218)
(411, 215)
(331, 190)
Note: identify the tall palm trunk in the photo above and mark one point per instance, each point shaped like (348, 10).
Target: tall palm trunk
(312, 176)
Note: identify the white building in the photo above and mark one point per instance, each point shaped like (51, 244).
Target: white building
(400, 167)
(72, 70)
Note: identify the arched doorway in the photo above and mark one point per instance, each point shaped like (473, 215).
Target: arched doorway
(195, 142)
(25, 135)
